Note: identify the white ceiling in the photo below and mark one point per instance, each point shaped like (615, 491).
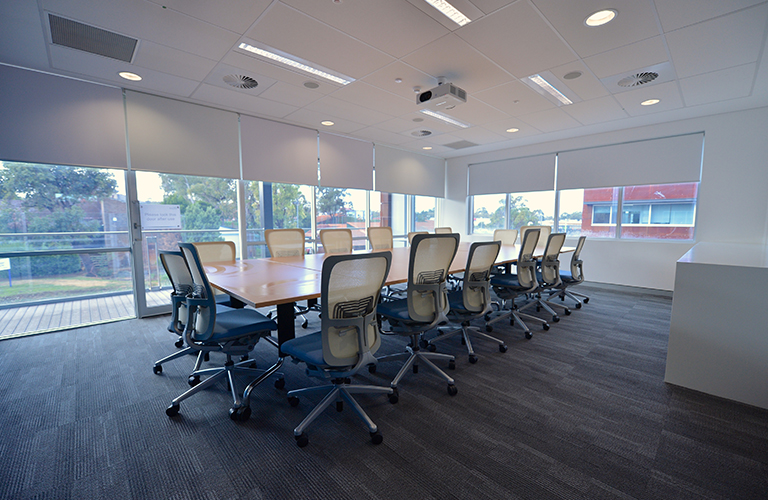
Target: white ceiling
(712, 55)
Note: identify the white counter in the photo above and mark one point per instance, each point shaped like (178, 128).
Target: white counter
(718, 339)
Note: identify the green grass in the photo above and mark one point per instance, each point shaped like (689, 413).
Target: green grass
(73, 285)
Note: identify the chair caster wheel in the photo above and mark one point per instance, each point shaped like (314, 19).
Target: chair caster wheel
(305, 324)
(578, 305)
(371, 368)
(172, 410)
(528, 335)
(555, 318)
(431, 347)
(394, 397)
(423, 343)
(452, 390)
(452, 365)
(302, 440)
(488, 328)
(280, 383)
(193, 381)
(339, 406)
(487, 317)
(241, 414)
(545, 326)
(179, 343)
(158, 369)
(503, 348)
(567, 312)
(376, 438)
(415, 368)
(472, 359)
(586, 301)
(293, 401)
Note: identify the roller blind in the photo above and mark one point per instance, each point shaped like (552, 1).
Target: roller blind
(176, 137)
(345, 162)
(276, 152)
(516, 175)
(409, 173)
(655, 161)
(49, 119)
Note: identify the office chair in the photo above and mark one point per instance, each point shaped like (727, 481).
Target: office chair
(380, 238)
(572, 277)
(473, 300)
(233, 333)
(544, 232)
(348, 339)
(287, 243)
(414, 233)
(443, 230)
(426, 304)
(218, 251)
(548, 277)
(336, 240)
(505, 236)
(510, 286)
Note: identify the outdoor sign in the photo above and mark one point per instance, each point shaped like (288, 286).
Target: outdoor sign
(159, 216)
(5, 264)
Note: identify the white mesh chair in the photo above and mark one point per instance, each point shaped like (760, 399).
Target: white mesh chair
(287, 243)
(544, 232)
(443, 230)
(510, 286)
(412, 234)
(380, 238)
(473, 300)
(336, 240)
(548, 277)
(348, 339)
(426, 304)
(572, 277)
(505, 236)
(218, 251)
(235, 332)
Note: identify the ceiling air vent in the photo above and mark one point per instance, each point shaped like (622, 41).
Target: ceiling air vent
(638, 79)
(421, 133)
(240, 81)
(79, 36)
(461, 144)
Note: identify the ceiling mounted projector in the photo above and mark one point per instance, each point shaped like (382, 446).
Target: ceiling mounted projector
(445, 96)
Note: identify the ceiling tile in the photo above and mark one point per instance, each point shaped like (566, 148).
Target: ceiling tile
(466, 7)
(479, 135)
(459, 63)
(603, 109)
(348, 111)
(409, 76)
(232, 15)
(667, 92)
(375, 134)
(500, 127)
(371, 97)
(217, 75)
(316, 42)
(514, 98)
(717, 86)
(291, 94)
(175, 62)
(312, 119)
(395, 27)
(489, 6)
(551, 120)
(406, 123)
(247, 104)
(523, 44)
(636, 21)
(728, 41)
(260, 67)
(476, 112)
(22, 41)
(681, 13)
(636, 55)
(586, 86)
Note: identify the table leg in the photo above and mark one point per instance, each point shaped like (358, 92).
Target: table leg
(286, 327)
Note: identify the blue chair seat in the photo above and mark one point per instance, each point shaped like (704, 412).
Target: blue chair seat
(456, 301)
(233, 324)
(395, 309)
(307, 348)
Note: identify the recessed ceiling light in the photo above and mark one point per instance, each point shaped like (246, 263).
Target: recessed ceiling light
(311, 85)
(650, 102)
(513, 130)
(130, 76)
(327, 123)
(572, 75)
(601, 17)
(398, 80)
(549, 89)
(449, 11)
(427, 147)
(445, 118)
(295, 62)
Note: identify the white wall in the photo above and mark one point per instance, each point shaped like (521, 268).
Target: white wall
(732, 205)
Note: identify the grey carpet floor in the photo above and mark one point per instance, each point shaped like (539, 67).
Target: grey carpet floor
(579, 411)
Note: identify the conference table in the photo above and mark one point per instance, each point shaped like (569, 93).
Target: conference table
(283, 281)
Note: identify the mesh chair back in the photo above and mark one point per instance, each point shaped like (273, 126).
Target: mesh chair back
(181, 280)
(336, 240)
(526, 263)
(550, 265)
(350, 290)
(443, 230)
(412, 234)
(205, 317)
(505, 236)
(477, 275)
(544, 232)
(380, 237)
(431, 258)
(285, 242)
(215, 251)
(577, 268)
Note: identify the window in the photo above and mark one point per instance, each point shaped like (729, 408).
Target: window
(424, 213)
(390, 209)
(490, 213)
(342, 209)
(659, 211)
(535, 208)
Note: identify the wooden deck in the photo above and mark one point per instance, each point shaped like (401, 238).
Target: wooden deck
(28, 320)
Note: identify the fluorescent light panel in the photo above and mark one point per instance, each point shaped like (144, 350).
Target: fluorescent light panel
(541, 82)
(449, 11)
(445, 118)
(296, 64)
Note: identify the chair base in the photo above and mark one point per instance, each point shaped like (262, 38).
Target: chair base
(413, 356)
(516, 317)
(467, 332)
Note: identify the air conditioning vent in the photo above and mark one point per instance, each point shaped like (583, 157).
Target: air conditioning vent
(461, 144)
(638, 79)
(91, 39)
(240, 81)
(421, 133)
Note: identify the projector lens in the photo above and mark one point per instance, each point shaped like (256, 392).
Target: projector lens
(425, 96)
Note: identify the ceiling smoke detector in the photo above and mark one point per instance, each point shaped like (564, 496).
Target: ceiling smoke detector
(421, 133)
(638, 79)
(240, 81)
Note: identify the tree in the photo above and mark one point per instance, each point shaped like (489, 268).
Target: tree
(520, 215)
(425, 215)
(288, 205)
(187, 190)
(482, 213)
(330, 201)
